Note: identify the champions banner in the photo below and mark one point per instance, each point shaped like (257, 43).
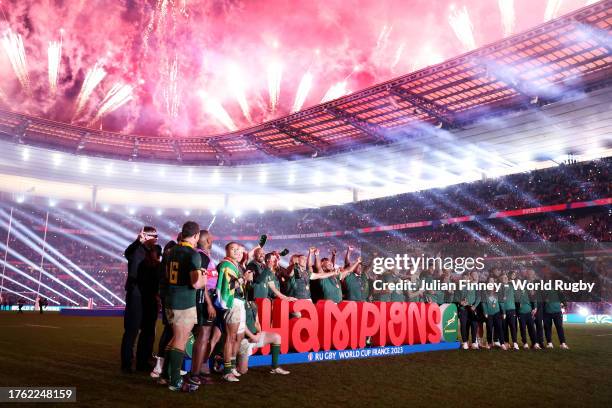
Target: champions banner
(327, 331)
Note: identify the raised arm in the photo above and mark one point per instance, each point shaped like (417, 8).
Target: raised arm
(344, 272)
(347, 256)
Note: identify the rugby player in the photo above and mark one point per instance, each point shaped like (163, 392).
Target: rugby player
(206, 313)
(183, 277)
(229, 299)
(255, 338)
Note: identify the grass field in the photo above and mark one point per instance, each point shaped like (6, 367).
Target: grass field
(54, 350)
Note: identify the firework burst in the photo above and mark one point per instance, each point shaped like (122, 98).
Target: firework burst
(171, 92)
(335, 91)
(94, 76)
(237, 85)
(552, 9)
(116, 97)
(460, 22)
(13, 45)
(506, 8)
(302, 92)
(54, 53)
(214, 108)
(275, 75)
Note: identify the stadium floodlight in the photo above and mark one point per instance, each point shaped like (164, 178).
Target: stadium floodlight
(54, 252)
(83, 164)
(31, 278)
(583, 311)
(20, 198)
(26, 261)
(187, 213)
(52, 202)
(159, 212)
(57, 159)
(79, 206)
(99, 234)
(263, 177)
(261, 210)
(25, 154)
(29, 289)
(132, 211)
(17, 293)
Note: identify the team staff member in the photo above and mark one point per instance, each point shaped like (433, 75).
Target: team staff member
(206, 312)
(509, 306)
(141, 302)
(493, 311)
(538, 311)
(552, 313)
(525, 318)
(228, 298)
(184, 276)
(468, 300)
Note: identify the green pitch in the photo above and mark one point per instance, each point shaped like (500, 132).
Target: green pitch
(53, 350)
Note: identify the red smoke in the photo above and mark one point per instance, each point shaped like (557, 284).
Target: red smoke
(137, 46)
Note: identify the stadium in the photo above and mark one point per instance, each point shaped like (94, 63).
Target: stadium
(325, 203)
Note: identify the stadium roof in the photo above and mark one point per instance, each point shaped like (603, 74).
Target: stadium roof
(527, 70)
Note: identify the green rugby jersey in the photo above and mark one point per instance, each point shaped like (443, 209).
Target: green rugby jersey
(331, 289)
(298, 285)
(251, 315)
(354, 287)
(182, 259)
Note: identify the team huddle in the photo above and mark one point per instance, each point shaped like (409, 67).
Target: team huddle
(216, 304)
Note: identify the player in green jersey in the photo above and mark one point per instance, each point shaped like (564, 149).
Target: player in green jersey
(183, 277)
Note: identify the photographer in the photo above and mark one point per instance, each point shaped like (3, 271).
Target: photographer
(141, 305)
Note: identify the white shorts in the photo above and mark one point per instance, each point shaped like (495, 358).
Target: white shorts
(246, 347)
(182, 317)
(237, 314)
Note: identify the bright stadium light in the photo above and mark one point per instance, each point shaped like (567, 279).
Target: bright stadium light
(187, 213)
(25, 154)
(159, 212)
(135, 169)
(583, 311)
(83, 165)
(62, 262)
(52, 203)
(57, 159)
(132, 211)
(20, 199)
(105, 208)
(80, 206)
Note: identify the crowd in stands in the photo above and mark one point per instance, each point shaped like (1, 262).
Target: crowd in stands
(97, 249)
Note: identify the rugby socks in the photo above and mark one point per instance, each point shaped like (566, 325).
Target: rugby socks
(165, 374)
(174, 366)
(275, 353)
(234, 365)
(227, 367)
